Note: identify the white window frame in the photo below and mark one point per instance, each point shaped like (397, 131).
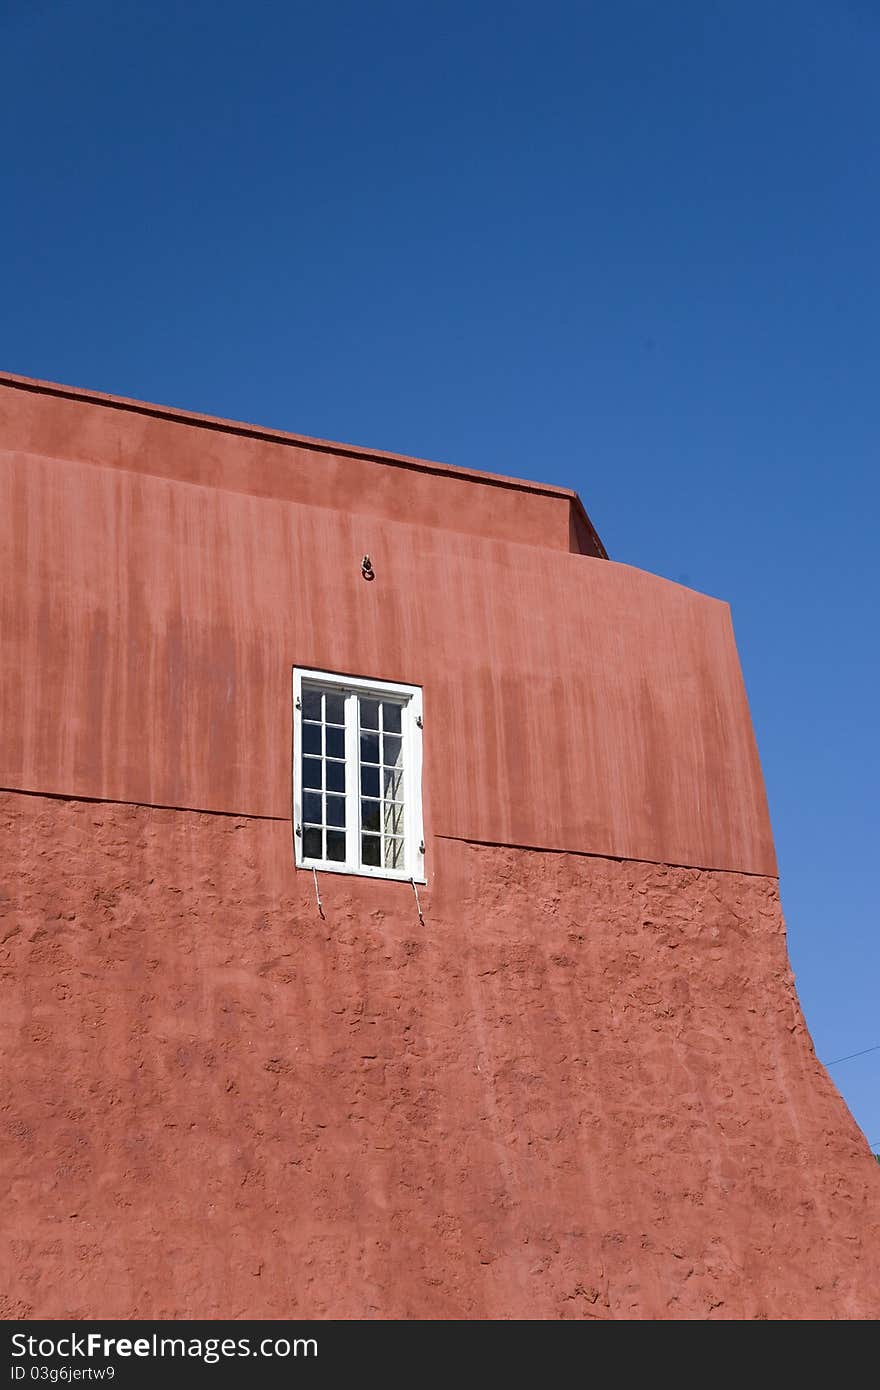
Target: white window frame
(410, 699)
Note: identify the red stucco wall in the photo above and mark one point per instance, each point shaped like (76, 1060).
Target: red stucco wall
(583, 1089)
(150, 628)
(57, 422)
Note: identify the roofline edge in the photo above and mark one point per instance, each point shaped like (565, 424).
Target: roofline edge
(217, 422)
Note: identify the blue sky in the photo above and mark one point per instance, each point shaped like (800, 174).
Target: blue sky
(626, 247)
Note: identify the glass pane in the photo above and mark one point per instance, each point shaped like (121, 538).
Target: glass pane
(391, 746)
(336, 846)
(311, 772)
(311, 704)
(311, 738)
(335, 777)
(394, 854)
(370, 848)
(312, 843)
(369, 714)
(391, 718)
(336, 810)
(393, 819)
(369, 781)
(312, 808)
(392, 784)
(370, 815)
(335, 743)
(369, 748)
(334, 706)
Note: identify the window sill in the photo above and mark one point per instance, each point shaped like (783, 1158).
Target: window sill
(395, 875)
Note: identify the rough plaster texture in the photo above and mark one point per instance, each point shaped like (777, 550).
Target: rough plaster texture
(583, 1089)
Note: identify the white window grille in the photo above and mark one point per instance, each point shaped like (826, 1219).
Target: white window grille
(357, 776)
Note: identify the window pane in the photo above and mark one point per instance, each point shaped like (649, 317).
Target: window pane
(392, 784)
(394, 854)
(369, 714)
(335, 777)
(335, 743)
(391, 718)
(334, 706)
(369, 748)
(336, 846)
(311, 704)
(391, 745)
(311, 738)
(331, 777)
(312, 843)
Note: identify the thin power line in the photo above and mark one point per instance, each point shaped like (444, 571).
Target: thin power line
(864, 1052)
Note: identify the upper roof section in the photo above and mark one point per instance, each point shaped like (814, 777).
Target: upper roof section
(86, 426)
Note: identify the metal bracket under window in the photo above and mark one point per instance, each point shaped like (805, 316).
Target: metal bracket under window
(418, 904)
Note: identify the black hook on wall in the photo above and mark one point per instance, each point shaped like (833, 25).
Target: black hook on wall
(367, 568)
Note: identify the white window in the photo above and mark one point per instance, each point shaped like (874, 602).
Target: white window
(357, 776)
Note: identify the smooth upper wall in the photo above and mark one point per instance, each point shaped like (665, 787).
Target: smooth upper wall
(61, 422)
(150, 626)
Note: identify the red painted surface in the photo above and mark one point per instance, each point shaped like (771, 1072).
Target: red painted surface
(571, 703)
(583, 1089)
(64, 423)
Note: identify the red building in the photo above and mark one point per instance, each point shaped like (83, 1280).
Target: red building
(391, 925)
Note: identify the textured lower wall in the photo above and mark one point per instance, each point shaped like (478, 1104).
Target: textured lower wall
(583, 1089)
